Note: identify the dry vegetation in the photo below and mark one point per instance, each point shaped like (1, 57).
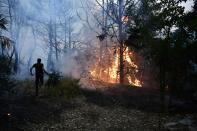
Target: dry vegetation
(67, 107)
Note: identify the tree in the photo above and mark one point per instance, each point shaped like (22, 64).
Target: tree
(153, 31)
(5, 59)
(112, 25)
(6, 43)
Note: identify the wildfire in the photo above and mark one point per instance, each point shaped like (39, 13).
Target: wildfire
(111, 73)
(113, 70)
(128, 55)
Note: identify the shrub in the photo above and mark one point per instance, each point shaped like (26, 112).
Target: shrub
(54, 79)
(66, 88)
(5, 71)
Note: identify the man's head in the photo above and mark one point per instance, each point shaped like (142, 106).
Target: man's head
(38, 60)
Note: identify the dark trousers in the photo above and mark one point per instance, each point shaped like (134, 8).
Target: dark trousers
(39, 81)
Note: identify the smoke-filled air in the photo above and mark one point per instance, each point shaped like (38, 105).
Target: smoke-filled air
(98, 65)
(51, 30)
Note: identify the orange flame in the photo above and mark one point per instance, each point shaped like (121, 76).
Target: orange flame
(112, 71)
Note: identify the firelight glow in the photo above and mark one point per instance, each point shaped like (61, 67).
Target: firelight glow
(111, 73)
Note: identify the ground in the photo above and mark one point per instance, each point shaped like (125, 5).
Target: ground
(113, 109)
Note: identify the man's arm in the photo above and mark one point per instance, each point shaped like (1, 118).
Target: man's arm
(32, 69)
(45, 70)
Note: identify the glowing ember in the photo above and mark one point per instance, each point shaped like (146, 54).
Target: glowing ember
(136, 82)
(93, 73)
(125, 19)
(110, 73)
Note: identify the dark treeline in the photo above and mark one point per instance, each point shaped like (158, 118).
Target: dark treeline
(167, 37)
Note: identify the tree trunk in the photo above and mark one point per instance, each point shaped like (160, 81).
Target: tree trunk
(10, 11)
(56, 43)
(69, 33)
(32, 52)
(49, 61)
(121, 70)
(65, 35)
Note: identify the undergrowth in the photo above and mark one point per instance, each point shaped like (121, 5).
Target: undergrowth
(66, 88)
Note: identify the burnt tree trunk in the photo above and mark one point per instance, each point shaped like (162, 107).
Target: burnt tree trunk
(121, 67)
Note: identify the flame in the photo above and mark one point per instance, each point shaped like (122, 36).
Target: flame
(125, 19)
(93, 73)
(111, 73)
(128, 55)
(136, 82)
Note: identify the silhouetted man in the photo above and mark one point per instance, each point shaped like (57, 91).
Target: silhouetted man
(39, 77)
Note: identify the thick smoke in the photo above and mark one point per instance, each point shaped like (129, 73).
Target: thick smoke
(34, 20)
(31, 28)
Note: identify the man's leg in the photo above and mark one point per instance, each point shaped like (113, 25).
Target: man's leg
(41, 80)
(37, 83)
